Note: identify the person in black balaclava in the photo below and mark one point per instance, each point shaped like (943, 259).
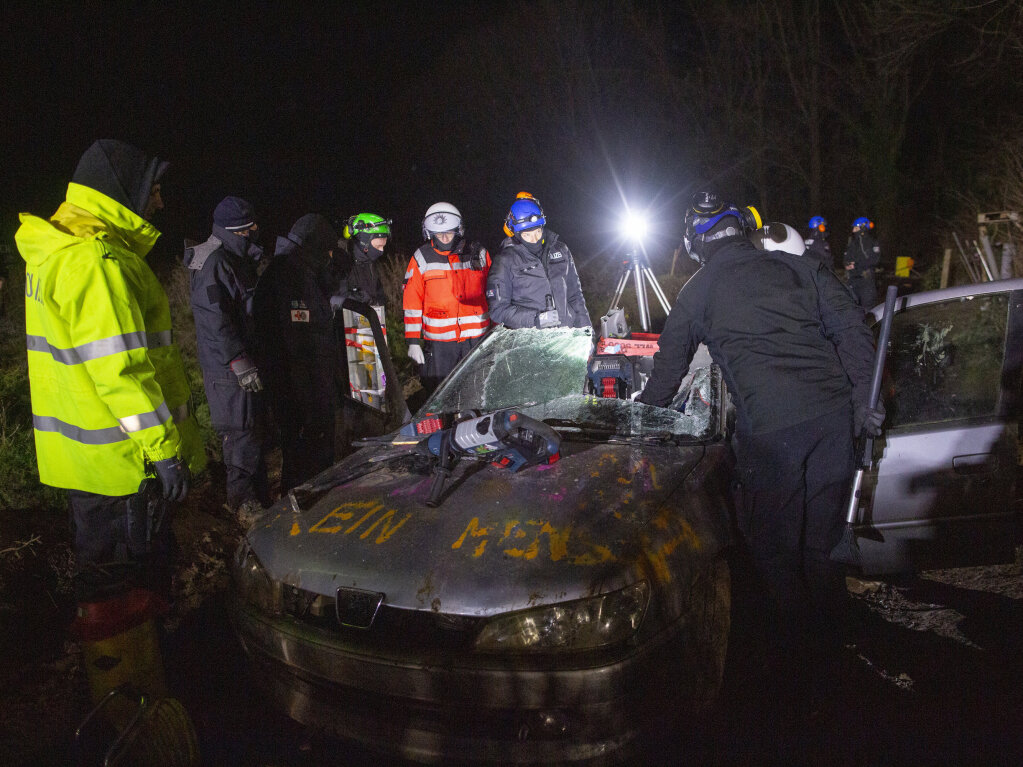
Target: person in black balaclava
(223, 280)
(797, 358)
(294, 325)
(862, 256)
(533, 282)
(367, 235)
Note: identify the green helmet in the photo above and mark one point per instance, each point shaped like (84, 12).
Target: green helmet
(367, 223)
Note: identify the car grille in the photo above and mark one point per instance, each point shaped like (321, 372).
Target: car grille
(392, 628)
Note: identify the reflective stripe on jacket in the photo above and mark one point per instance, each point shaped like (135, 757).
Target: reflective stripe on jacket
(108, 385)
(443, 296)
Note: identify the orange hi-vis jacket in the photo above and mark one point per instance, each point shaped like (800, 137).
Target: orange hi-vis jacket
(444, 296)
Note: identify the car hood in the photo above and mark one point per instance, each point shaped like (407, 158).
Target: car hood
(605, 515)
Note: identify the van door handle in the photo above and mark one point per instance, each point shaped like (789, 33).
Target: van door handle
(976, 463)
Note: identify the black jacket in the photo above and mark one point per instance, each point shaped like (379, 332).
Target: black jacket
(298, 352)
(519, 283)
(864, 254)
(788, 336)
(818, 249)
(222, 273)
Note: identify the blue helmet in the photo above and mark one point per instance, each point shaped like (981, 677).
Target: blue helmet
(863, 223)
(818, 224)
(525, 213)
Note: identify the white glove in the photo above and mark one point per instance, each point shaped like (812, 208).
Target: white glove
(415, 353)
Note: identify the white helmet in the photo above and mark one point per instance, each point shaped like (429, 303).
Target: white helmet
(779, 237)
(442, 217)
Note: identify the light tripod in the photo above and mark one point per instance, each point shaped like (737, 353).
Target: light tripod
(636, 265)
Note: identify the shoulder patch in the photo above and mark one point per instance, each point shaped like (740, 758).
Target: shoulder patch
(201, 252)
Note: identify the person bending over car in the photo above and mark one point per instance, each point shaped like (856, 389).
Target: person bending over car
(533, 283)
(797, 359)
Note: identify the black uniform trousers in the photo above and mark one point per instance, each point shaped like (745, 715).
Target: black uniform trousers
(441, 358)
(865, 289)
(115, 549)
(793, 488)
(239, 417)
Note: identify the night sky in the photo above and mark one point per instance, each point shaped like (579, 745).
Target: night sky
(297, 107)
(389, 107)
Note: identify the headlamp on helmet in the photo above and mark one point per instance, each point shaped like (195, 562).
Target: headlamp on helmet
(525, 213)
(367, 223)
(708, 219)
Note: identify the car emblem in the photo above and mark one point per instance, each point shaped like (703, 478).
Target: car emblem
(357, 608)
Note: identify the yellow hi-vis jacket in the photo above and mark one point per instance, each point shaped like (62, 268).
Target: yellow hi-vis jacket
(108, 386)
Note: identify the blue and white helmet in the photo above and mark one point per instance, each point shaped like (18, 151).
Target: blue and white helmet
(707, 219)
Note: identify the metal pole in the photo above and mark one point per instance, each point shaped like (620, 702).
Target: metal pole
(983, 262)
(644, 310)
(988, 252)
(966, 261)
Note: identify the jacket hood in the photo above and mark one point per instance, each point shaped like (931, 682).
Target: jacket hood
(313, 233)
(85, 215)
(121, 171)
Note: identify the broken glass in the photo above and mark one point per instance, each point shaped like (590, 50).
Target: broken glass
(542, 373)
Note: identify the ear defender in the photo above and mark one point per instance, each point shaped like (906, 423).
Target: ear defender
(751, 218)
(348, 233)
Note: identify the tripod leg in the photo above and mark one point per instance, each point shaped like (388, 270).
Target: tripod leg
(644, 310)
(616, 301)
(656, 287)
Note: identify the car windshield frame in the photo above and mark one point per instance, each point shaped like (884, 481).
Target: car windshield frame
(543, 374)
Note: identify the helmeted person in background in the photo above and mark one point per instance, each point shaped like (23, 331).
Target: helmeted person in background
(367, 235)
(816, 242)
(443, 295)
(862, 255)
(778, 237)
(533, 282)
(298, 349)
(797, 359)
(109, 393)
(223, 280)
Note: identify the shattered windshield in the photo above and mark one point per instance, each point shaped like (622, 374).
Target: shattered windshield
(542, 373)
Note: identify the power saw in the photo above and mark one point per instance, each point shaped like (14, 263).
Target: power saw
(507, 438)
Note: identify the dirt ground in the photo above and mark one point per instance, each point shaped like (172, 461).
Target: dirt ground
(935, 677)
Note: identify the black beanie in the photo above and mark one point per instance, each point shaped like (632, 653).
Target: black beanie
(234, 214)
(122, 172)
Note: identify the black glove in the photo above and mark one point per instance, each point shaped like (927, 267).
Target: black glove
(248, 374)
(868, 420)
(477, 257)
(174, 477)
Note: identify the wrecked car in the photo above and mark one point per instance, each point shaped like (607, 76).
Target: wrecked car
(555, 613)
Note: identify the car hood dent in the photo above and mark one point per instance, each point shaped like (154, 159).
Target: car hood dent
(602, 517)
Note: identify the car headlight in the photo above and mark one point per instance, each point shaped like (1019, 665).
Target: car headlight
(580, 625)
(253, 582)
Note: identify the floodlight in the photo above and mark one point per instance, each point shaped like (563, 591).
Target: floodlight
(634, 225)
